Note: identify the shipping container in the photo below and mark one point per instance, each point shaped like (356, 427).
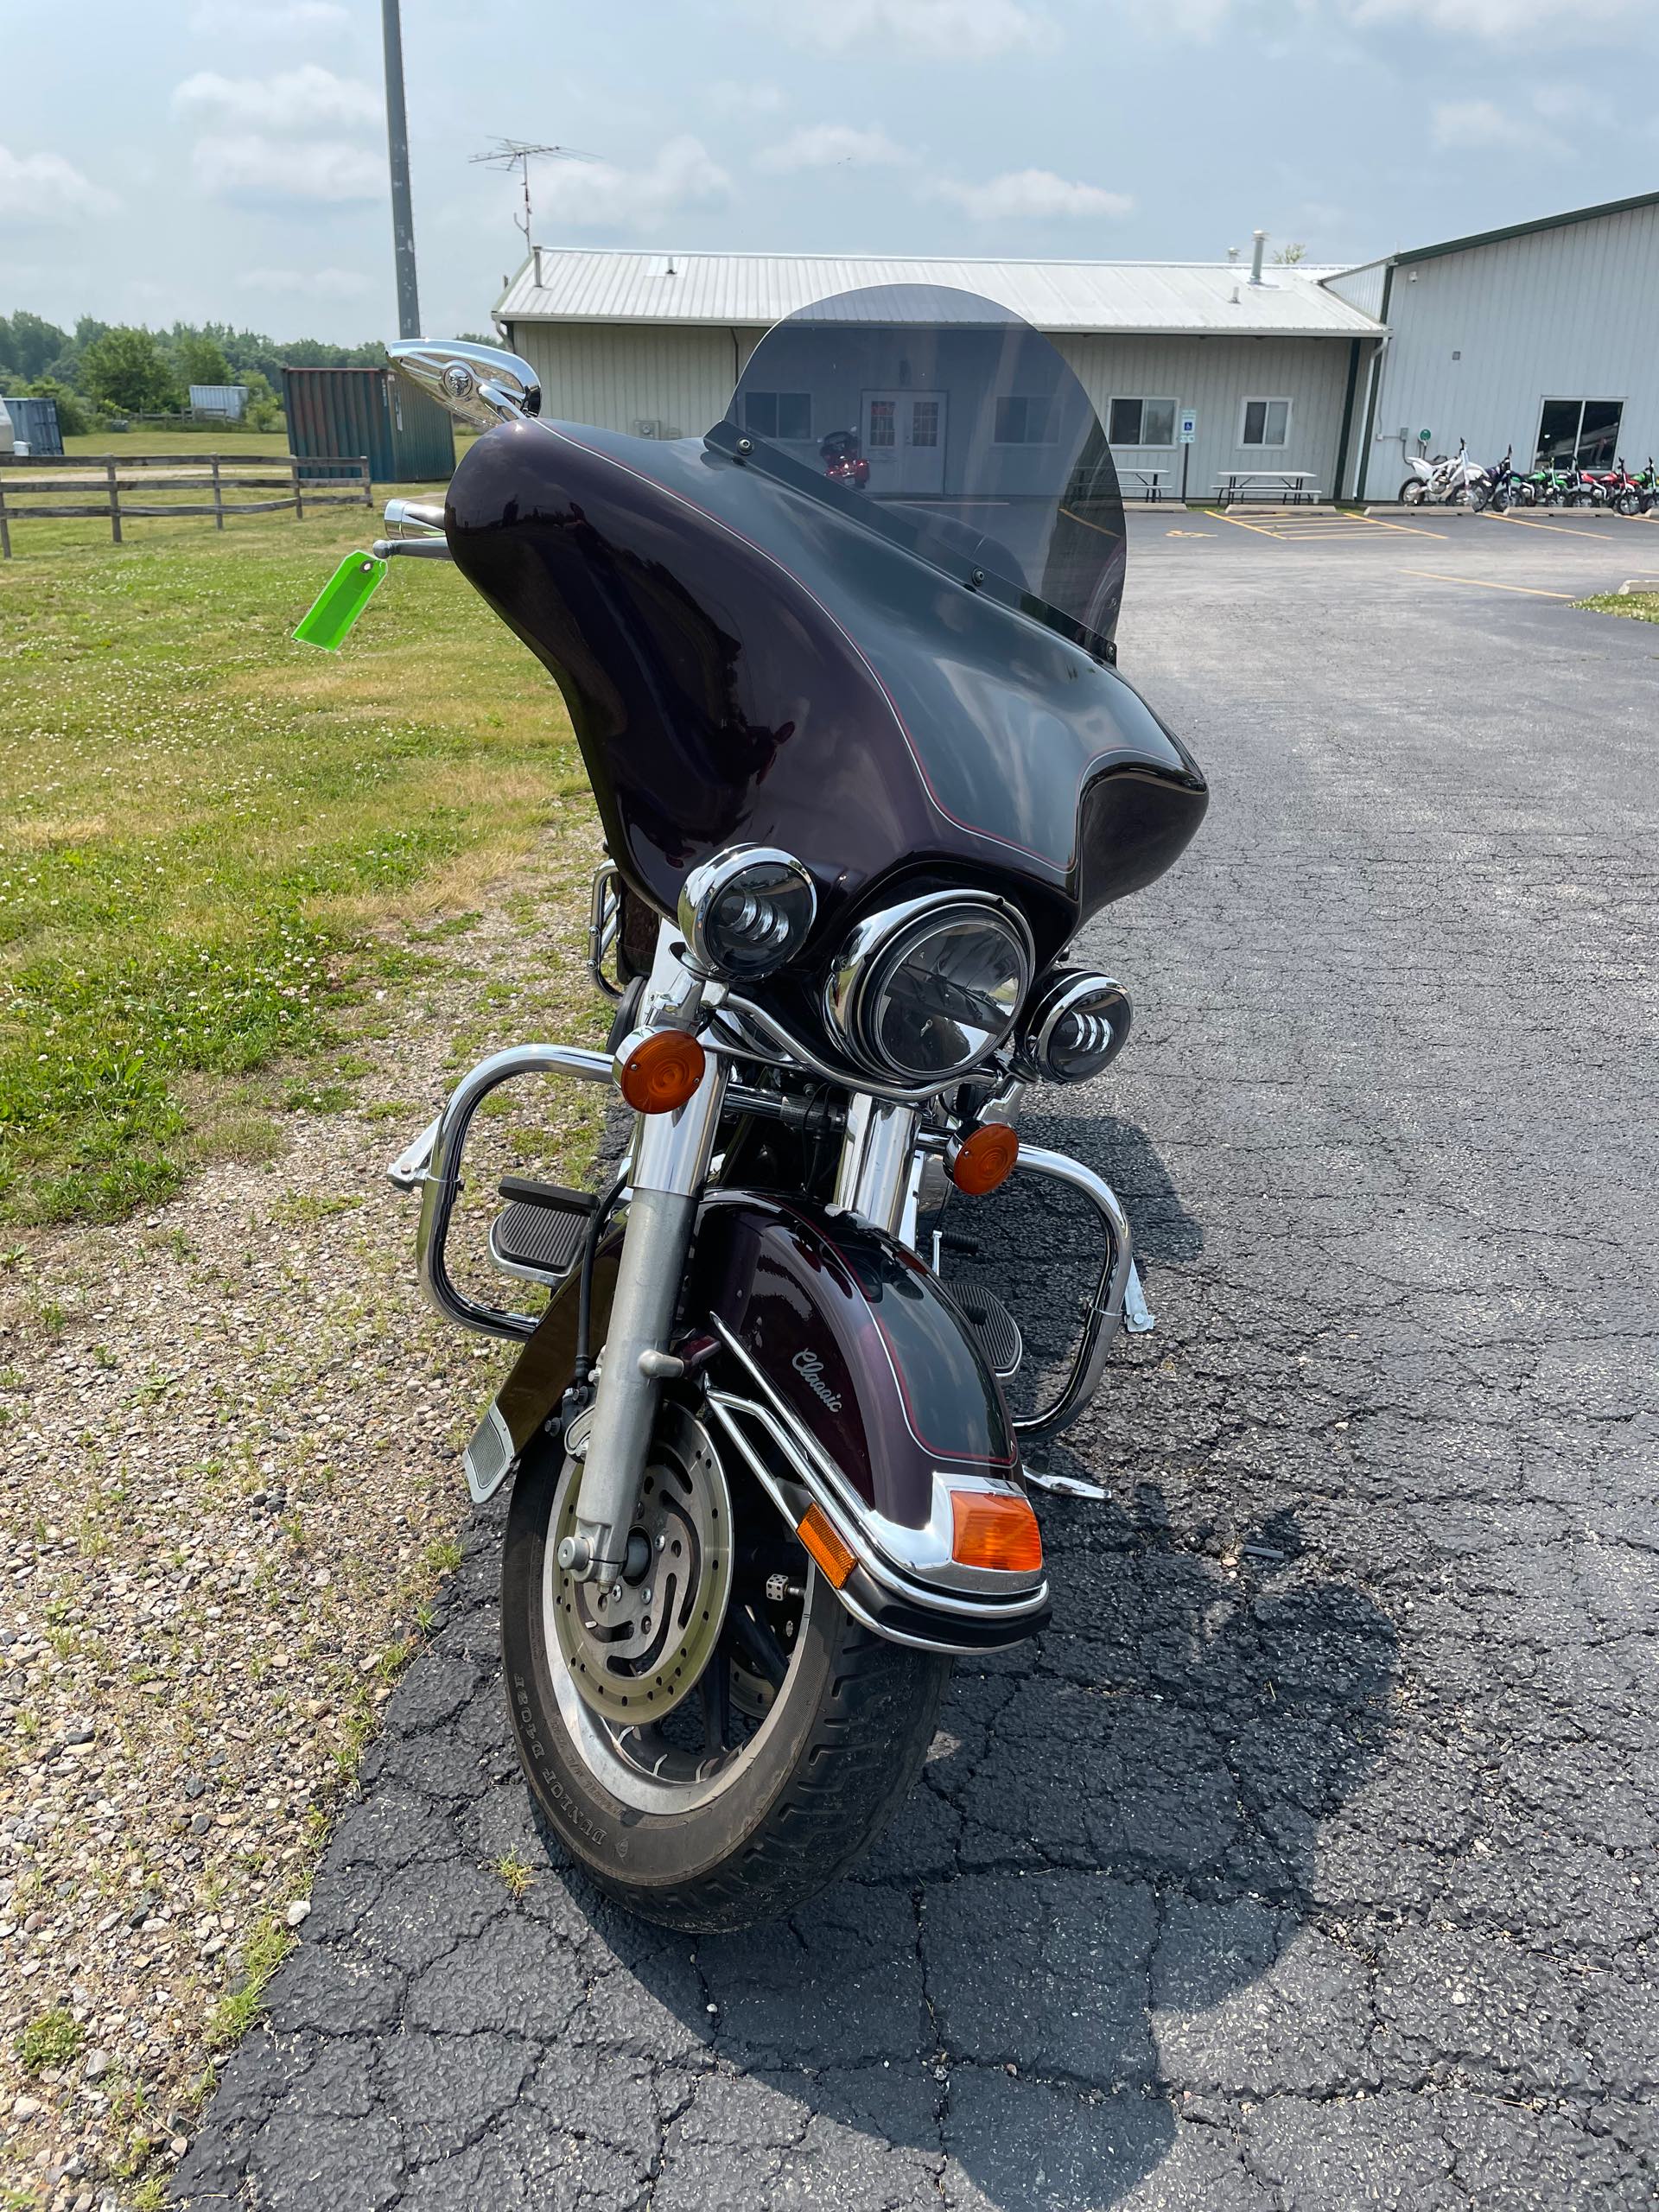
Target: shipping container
(218, 402)
(35, 424)
(342, 414)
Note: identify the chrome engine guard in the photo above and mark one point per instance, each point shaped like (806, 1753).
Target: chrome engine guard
(432, 1165)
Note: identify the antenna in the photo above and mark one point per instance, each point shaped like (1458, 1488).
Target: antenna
(514, 154)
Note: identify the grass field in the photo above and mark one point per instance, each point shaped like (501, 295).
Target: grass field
(214, 839)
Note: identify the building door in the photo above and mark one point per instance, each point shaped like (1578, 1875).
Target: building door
(904, 442)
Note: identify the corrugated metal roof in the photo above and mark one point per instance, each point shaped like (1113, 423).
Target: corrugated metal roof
(1148, 298)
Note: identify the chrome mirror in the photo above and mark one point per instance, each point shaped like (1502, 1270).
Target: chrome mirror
(479, 384)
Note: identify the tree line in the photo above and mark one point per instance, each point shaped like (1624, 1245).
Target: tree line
(99, 370)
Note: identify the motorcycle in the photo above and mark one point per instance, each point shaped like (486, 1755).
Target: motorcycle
(1495, 488)
(843, 463)
(864, 771)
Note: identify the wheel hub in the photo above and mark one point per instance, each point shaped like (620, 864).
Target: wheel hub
(637, 1647)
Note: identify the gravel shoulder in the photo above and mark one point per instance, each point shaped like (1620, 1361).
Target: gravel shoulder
(231, 1488)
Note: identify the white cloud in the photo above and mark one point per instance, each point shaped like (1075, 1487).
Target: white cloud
(294, 100)
(727, 96)
(597, 195)
(1030, 195)
(316, 283)
(255, 168)
(1480, 122)
(46, 188)
(265, 18)
(1502, 22)
(943, 31)
(827, 145)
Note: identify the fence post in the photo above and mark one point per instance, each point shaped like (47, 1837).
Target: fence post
(299, 493)
(115, 500)
(219, 497)
(5, 528)
(368, 488)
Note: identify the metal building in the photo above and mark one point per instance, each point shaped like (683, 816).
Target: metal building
(33, 425)
(218, 403)
(1544, 335)
(1267, 361)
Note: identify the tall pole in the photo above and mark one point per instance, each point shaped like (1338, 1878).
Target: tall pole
(403, 213)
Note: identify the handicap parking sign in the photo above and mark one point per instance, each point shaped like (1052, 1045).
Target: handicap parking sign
(1189, 425)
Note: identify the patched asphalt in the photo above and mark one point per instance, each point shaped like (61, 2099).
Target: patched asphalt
(1307, 1860)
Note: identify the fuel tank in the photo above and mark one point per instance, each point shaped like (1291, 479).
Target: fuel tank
(743, 661)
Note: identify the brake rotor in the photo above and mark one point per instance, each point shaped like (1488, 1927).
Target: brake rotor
(635, 1648)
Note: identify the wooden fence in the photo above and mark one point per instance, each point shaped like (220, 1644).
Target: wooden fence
(78, 475)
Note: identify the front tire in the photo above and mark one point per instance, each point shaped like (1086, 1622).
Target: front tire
(670, 1818)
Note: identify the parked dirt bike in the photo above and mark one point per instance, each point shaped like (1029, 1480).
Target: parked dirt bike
(864, 771)
(1453, 481)
(1494, 487)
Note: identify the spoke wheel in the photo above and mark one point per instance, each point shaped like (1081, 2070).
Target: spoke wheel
(715, 1754)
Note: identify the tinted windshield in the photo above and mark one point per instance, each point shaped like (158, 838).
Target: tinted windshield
(952, 425)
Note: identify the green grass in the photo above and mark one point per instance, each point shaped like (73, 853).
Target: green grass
(52, 2040)
(209, 835)
(1640, 606)
(269, 1945)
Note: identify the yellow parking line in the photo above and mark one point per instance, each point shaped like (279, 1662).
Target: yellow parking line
(1220, 516)
(1412, 529)
(1528, 591)
(1560, 529)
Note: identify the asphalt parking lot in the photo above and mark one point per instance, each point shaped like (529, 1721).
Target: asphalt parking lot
(1308, 1859)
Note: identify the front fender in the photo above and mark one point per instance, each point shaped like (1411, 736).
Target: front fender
(847, 1328)
(859, 1342)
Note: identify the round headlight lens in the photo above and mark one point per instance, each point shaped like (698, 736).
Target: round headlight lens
(1078, 1025)
(747, 910)
(925, 990)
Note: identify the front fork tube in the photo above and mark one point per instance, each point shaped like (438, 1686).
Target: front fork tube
(672, 1156)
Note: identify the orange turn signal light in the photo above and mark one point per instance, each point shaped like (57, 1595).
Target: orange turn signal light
(658, 1070)
(996, 1527)
(985, 1159)
(816, 1532)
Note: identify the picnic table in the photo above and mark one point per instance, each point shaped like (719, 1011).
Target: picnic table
(1290, 484)
(1151, 480)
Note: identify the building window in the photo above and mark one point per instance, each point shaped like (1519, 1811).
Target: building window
(785, 415)
(1579, 433)
(1265, 422)
(1021, 422)
(1141, 422)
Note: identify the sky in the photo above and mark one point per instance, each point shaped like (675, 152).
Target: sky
(225, 159)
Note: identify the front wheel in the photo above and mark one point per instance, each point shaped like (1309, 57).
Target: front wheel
(1413, 492)
(714, 1738)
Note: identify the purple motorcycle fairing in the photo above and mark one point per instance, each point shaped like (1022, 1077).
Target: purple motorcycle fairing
(744, 661)
(858, 1341)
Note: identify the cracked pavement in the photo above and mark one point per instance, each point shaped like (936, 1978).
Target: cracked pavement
(1308, 1859)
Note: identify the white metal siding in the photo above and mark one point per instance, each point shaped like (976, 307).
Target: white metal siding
(1361, 288)
(1212, 378)
(1565, 314)
(615, 377)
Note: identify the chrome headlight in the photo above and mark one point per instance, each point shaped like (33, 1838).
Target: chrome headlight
(923, 990)
(747, 911)
(1078, 1024)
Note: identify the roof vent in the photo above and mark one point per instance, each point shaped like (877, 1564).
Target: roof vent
(1232, 253)
(1260, 249)
(669, 269)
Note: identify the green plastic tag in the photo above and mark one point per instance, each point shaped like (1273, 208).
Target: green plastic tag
(329, 621)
